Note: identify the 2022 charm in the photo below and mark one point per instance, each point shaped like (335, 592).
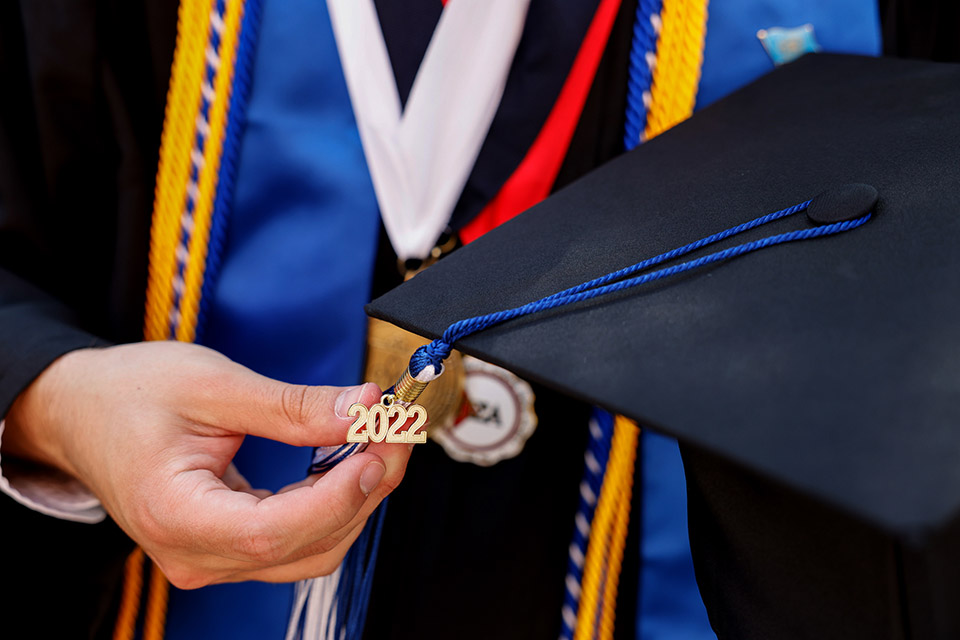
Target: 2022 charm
(383, 422)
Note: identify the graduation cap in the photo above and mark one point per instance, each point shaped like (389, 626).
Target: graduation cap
(814, 386)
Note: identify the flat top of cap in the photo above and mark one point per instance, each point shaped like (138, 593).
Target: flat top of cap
(830, 365)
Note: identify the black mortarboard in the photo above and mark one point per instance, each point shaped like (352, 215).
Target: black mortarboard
(814, 386)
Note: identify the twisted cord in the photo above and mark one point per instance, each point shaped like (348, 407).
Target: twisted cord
(607, 536)
(682, 251)
(230, 157)
(676, 75)
(225, 34)
(624, 456)
(126, 626)
(642, 61)
(189, 216)
(326, 458)
(155, 616)
(183, 99)
(432, 353)
(594, 467)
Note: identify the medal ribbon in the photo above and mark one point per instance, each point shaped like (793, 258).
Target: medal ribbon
(421, 156)
(534, 178)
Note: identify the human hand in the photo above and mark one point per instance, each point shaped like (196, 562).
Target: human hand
(151, 428)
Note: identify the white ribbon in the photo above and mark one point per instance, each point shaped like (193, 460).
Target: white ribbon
(420, 158)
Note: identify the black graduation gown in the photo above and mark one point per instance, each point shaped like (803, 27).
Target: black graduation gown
(84, 84)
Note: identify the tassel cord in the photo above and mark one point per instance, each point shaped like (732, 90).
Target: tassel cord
(434, 353)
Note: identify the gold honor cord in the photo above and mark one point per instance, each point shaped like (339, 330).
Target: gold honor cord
(187, 177)
(608, 535)
(155, 614)
(130, 597)
(676, 75)
(180, 231)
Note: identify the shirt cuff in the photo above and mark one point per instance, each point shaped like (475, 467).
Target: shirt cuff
(48, 491)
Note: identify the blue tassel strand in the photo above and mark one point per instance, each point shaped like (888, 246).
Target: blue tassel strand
(356, 580)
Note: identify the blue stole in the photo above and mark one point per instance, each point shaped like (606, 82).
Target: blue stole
(288, 300)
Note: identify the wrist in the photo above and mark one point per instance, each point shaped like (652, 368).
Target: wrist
(34, 425)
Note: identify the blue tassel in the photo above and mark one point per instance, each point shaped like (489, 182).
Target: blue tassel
(356, 580)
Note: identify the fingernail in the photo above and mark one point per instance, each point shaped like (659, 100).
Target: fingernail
(346, 398)
(371, 476)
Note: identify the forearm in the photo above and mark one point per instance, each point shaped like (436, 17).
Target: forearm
(35, 330)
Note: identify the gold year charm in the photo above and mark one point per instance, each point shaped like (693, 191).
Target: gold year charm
(383, 422)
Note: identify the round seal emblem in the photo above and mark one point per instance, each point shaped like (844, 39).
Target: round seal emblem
(500, 418)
